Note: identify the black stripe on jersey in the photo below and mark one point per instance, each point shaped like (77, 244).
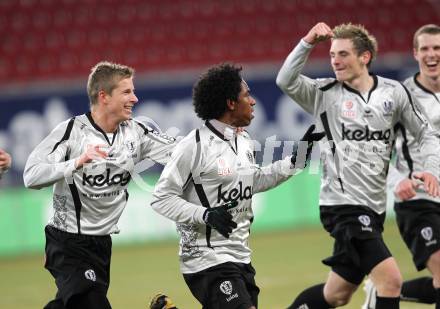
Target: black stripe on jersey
(77, 203)
(142, 126)
(425, 89)
(72, 186)
(201, 192)
(328, 86)
(205, 203)
(375, 83)
(187, 180)
(405, 149)
(214, 130)
(89, 116)
(328, 133)
(126, 195)
(387, 169)
(164, 139)
(412, 103)
(66, 134)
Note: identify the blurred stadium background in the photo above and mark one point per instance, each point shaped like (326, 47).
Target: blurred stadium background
(47, 48)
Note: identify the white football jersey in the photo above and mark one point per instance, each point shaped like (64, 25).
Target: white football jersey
(410, 157)
(90, 200)
(359, 129)
(225, 170)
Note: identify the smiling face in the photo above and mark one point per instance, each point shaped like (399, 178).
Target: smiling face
(242, 110)
(427, 55)
(346, 62)
(119, 103)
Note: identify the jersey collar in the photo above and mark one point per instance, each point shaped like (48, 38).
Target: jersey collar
(221, 129)
(418, 84)
(217, 127)
(375, 82)
(98, 128)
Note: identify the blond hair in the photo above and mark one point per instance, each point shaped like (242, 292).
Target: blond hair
(362, 40)
(105, 76)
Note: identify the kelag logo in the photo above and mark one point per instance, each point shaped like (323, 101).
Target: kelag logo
(235, 194)
(365, 134)
(101, 180)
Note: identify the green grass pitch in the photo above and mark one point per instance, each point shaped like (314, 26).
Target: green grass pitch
(286, 262)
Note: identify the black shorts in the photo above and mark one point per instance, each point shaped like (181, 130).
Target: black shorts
(78, 263)
(419, 225)
(225, 286)
(358, 245)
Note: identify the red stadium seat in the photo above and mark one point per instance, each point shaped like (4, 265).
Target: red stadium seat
(64, 38)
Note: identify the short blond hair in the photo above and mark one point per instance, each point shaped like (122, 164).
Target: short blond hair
(362, 40)
(105, 76)
(428, 29)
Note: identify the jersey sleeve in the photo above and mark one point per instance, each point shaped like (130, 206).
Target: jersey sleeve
(155, 145)
(271, 175)
(302, 89)
(167, 197)
(49, 162)
(419, 127)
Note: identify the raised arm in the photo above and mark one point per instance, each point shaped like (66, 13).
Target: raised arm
(300, 88)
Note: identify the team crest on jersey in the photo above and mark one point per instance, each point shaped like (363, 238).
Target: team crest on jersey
(130, 145)
(427, 234)
(349, 110)
(388, 108)
(365, 220)
(250, 156)
(223, 169)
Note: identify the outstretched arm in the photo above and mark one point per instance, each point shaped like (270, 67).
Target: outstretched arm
(274, 174)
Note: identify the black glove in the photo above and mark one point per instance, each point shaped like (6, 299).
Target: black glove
(220, 219)
(309, 137)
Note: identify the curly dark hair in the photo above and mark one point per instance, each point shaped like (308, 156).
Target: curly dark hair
(210, 93)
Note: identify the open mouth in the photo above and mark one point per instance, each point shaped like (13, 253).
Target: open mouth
(432, 64)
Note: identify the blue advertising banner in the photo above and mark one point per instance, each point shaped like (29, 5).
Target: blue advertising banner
(26, 119)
